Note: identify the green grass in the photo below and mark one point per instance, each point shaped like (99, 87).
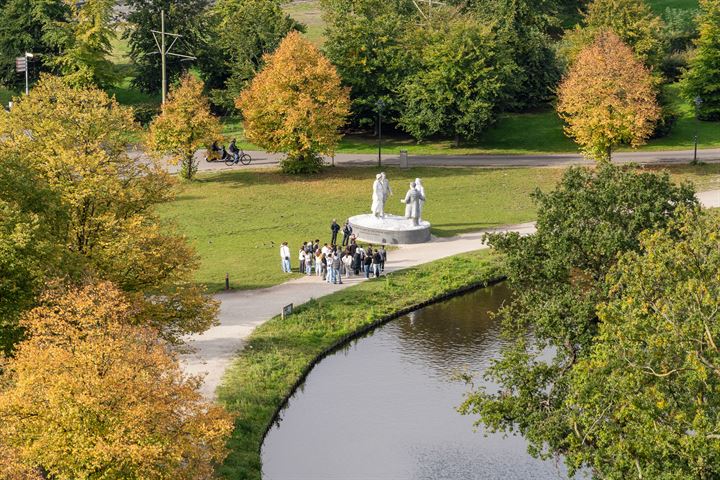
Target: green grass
(309, 13)
(278, 351)
(237, 219)
(660, 5)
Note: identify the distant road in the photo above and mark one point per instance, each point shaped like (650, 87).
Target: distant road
(669, 157)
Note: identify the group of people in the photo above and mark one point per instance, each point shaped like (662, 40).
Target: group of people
(331, 262)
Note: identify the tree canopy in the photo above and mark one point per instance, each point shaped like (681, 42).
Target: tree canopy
(702, 80)
(184, 125)
(607, 98)
(558, 279)
(74, 143)
(296, 105)
(643, 403)
(90, 394)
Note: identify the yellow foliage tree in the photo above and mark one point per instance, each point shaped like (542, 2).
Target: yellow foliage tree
(75, 140)
(90, 395)
(296, 105)
(184, 125)
(607, 98)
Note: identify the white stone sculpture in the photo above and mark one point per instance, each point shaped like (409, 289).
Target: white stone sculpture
(378, 202)
(412, 204)
(420, 188)
(387, 191)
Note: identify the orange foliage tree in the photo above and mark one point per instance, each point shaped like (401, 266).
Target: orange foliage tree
(91, 394)
(184, 125)
(296, 105)
(607, 98)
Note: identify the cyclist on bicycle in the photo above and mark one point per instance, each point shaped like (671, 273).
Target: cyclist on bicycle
(234, 150)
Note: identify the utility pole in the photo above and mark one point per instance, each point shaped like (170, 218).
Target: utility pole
(165, 50)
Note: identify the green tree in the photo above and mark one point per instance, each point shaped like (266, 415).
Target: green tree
(558, 276)
(632, 20)
(107, 227)
(296, 105)
(643, 403)
(525, 27)
(83, 44)
(459, 86)
(367, 42)
(21, 30)
(243, 31)
(185, 17)
(703, 78)
(184, 125)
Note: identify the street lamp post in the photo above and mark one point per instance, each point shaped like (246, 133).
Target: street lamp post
(698, 103)
(28, 55)
(380, 105)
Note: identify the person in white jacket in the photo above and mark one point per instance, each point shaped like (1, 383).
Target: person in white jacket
(285, 257)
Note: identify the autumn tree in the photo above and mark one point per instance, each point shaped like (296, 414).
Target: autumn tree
(296, 105)
(184, 125)
(557, 275)
(702, 80)
(607, 98)
(460, 84)
(92, 393)
(83, 41)
(644, 401)
(74, 141)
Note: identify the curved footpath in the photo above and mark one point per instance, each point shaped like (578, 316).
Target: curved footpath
(242, 311)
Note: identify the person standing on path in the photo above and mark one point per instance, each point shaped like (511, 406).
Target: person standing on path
(285, 257)
(302, 258)
(376, 262)
(367, 263)
(347, 232)
(334, 229)
(336, 266)
(383, 255)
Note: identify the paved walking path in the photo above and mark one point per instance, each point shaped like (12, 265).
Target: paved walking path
(670, 157)
(242, 311)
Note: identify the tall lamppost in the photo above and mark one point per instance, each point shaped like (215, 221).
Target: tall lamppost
(380, 105)
(698, 103)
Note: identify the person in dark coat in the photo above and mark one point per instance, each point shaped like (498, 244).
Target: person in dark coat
(347, 232)
(334, 229)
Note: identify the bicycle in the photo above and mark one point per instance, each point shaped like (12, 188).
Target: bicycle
(220, 154)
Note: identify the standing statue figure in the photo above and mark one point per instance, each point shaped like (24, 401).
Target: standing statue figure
(412, 203)
(378, 202)
(420, 188)
(387, 191)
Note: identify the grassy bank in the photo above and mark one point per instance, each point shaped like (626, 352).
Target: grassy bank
(278, 352)
(237, 219)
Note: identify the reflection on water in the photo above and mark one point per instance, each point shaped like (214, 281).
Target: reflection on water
(384, 408)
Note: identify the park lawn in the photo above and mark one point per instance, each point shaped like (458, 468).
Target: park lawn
(277, 352)
(237, 219)
(309, 13)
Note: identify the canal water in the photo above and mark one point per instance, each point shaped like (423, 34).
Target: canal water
(384, 407)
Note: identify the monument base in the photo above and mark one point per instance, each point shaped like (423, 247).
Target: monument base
(389, 230)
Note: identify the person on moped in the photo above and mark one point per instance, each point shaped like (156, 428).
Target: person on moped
(234, 150)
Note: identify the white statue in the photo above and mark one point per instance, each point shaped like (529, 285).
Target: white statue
(387, 191)
(412, 200)
(420, 188)
(378, 202)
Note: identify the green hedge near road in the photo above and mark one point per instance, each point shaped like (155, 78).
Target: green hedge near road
(279, 351)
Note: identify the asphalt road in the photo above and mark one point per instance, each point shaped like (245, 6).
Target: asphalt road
(670, 157)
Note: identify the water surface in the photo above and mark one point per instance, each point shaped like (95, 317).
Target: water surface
(384, 407)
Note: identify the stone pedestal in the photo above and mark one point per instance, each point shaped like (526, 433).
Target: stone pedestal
(390, 230)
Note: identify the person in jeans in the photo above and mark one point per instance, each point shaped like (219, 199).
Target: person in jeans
(377, 263)
(383, 253)
(336, 266)
(334, 229)
(285, 257)
(367, 263)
